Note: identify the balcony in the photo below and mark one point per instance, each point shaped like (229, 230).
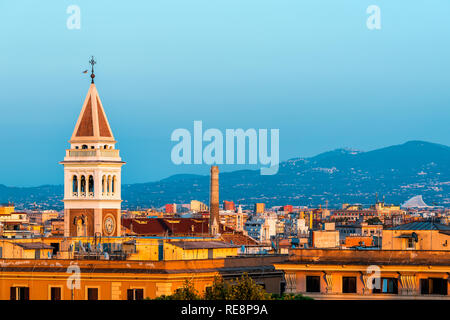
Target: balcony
(92, 154)
(89, 194)
(112, 153)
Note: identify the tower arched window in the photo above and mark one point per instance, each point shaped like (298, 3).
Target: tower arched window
(84, 146)
(108, 187)
(113, 184)
(103, 184)
(83, 185)
(91, 185)
(75, 185)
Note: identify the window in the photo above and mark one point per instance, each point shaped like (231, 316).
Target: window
(91, 184)
(282, 287)
(92, 293)
(55, 293)
(349, 284)
(433, 286)
(20, 293)
(312, 283)
(83, 185)
(388, 285)
(84, 147)
(135, 294)
(74, 184)
(410, 243)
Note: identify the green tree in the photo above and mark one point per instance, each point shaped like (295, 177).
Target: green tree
(243, 288)
(246, 288)
(220, 290)
(186, 292)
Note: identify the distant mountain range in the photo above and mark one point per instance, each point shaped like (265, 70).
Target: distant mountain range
(339, 176)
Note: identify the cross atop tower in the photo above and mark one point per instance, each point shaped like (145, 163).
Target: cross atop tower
(92, 62)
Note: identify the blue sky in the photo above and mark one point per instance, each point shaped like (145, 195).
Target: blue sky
(309, 68)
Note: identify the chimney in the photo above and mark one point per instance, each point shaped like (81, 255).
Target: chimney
(214, 202)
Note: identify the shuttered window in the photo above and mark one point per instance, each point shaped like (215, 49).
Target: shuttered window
(92, 293)
(349, 284)
(55, 293)
(20, 293)
(312, 284)
(135, 294)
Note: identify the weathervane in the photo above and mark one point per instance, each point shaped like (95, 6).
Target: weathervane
(92, 62)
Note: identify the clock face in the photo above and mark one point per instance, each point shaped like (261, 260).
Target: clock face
(109, 225)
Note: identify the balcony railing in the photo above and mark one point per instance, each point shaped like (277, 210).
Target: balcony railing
(111, 153)
(83, 194)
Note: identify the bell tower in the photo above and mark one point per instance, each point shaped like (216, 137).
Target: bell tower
(92, 173)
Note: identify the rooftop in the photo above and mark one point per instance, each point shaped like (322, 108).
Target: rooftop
(166, 226)
(191, 245)
(92, 123)
(33, 245)
(422, 225)
(369, 257)
(223, 265)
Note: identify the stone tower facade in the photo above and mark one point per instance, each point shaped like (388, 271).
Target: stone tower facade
(92, 175)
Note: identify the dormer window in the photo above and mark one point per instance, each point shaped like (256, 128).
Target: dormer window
(84, 146)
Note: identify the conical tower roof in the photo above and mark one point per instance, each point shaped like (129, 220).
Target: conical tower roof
(92, 124)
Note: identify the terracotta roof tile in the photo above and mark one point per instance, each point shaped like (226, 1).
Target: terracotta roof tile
(86, 127)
